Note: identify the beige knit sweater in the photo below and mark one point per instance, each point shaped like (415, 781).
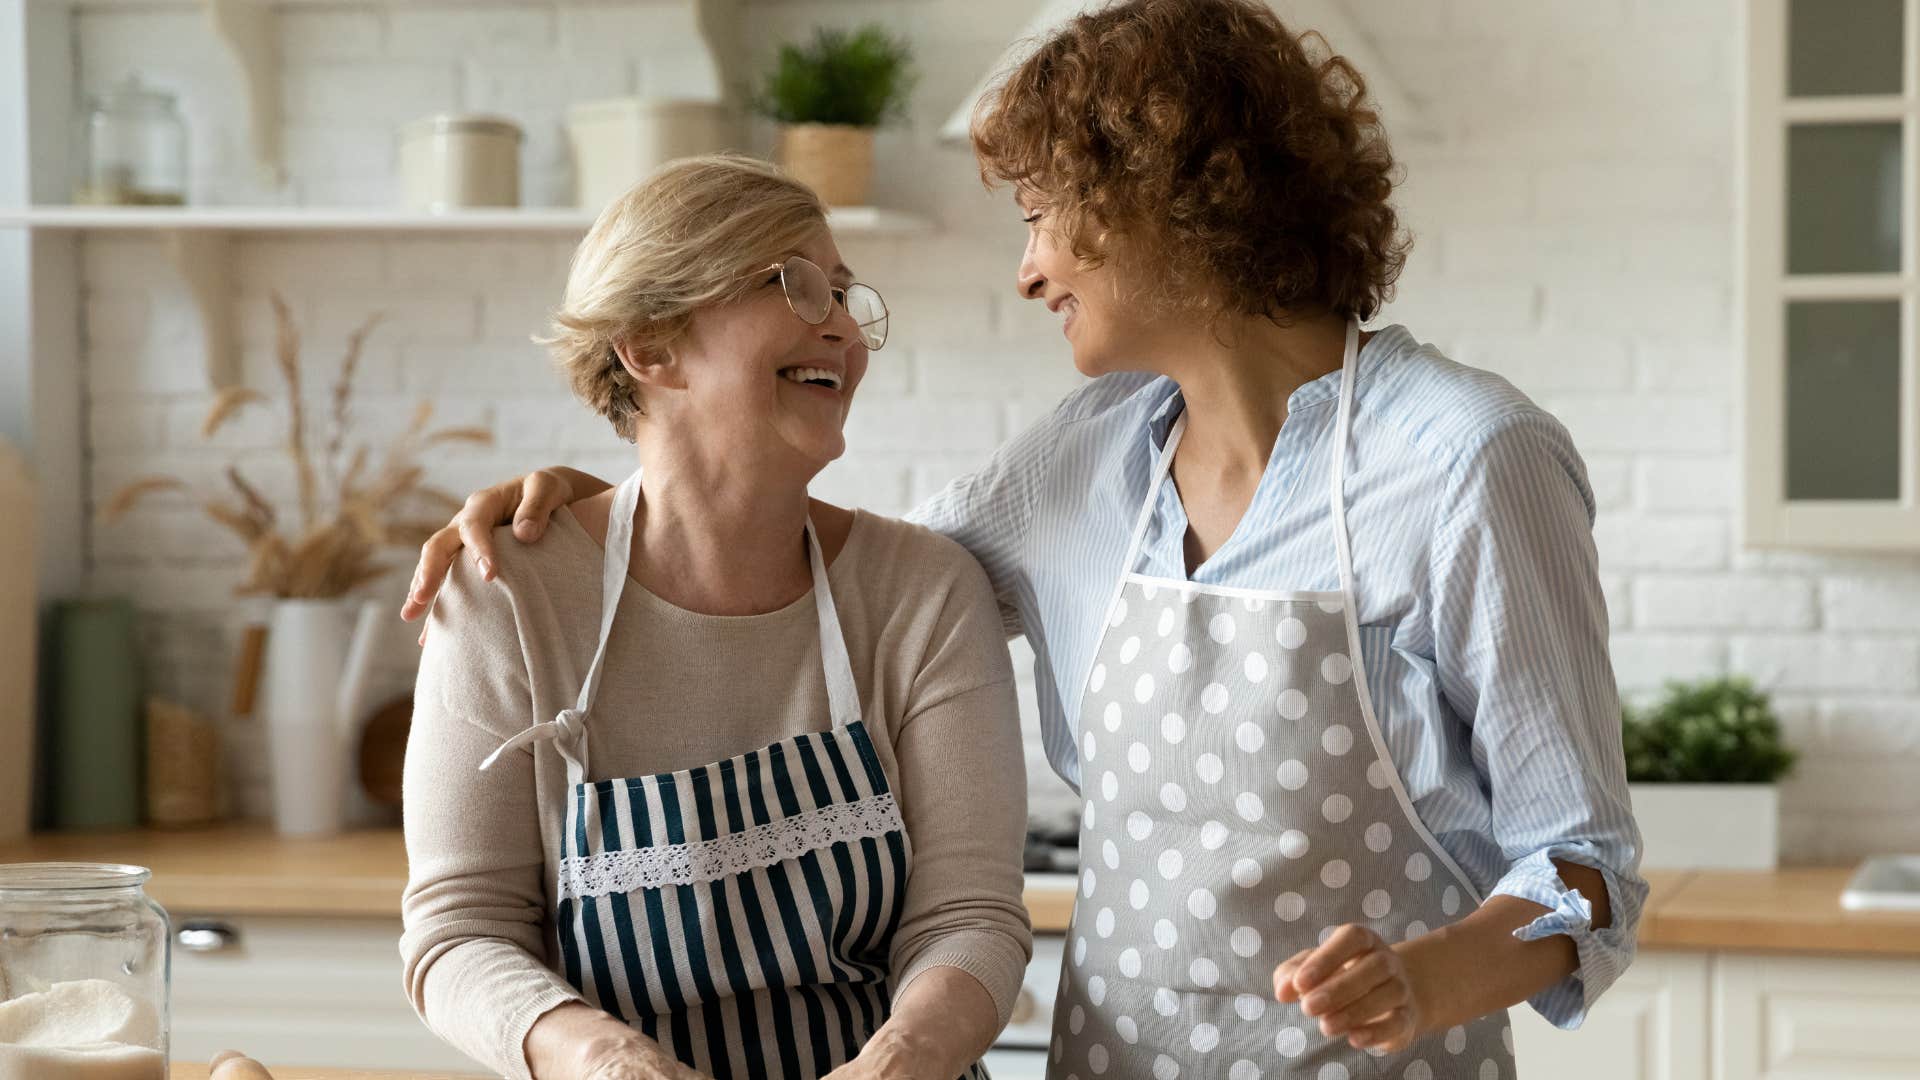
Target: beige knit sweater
(682, 689)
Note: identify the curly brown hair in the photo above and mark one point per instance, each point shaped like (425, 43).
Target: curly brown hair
(1205, 138)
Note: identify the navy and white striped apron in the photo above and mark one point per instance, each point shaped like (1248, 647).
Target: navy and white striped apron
(740, 913)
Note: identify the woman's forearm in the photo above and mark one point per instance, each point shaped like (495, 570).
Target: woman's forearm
(942, 1023)
(1476, 966)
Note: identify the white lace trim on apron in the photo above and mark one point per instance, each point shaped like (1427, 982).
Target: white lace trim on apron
(700, 861)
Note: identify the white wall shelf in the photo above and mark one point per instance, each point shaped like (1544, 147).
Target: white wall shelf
(866, 221)
(199, 241)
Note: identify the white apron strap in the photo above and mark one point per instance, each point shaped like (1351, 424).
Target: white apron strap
(843, 695)
(568, 729)
(1342, 434)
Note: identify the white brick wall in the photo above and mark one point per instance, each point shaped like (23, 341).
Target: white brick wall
(1574, 223)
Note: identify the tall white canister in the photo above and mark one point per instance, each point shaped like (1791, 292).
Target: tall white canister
(617, 142)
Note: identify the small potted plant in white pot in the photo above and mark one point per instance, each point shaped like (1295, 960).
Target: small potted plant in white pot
(829, 96)
(1703, 765)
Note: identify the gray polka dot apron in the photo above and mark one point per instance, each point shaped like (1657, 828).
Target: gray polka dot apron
(1239, 805)
(741, 913)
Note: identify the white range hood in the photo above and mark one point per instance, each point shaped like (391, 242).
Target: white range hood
(1329, 17)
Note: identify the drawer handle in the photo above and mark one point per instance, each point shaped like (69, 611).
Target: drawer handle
(207, 936)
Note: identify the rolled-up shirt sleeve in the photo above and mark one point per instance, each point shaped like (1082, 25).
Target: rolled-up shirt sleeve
(1520, 638)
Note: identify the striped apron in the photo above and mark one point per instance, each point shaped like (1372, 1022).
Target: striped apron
(739, 913)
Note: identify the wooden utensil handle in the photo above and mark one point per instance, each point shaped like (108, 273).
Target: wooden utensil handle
(246, 683)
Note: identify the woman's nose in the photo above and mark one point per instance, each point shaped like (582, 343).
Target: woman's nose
(839, 326)
(1032, 283)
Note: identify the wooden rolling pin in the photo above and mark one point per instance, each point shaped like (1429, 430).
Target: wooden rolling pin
(233, 1065)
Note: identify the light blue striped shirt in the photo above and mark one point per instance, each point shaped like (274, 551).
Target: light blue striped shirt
(1483, 626)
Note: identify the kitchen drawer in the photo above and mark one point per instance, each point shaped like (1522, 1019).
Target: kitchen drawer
(323, 992)
(1651, 1025)
(1816, 1018)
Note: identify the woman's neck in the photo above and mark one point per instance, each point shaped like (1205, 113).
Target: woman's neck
(719, 536)
(1236, 383)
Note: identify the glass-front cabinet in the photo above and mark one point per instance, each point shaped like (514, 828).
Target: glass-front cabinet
(1831, 293)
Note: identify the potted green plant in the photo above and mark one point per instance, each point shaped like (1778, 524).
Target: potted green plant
(829, 95)
(1703, 764)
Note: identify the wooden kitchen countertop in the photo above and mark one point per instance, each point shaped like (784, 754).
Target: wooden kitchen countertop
(191, 1071)
(249, 870)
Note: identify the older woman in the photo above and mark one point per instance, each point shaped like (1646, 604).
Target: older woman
(717, 780)
(1317, 620)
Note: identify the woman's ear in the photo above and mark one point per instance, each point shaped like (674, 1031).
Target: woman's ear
(650, 367)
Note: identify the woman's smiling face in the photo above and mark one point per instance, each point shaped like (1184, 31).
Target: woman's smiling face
(755, 378)
(1096, 317)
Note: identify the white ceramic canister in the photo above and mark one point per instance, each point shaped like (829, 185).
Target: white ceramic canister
(616, 143)
(453, 162)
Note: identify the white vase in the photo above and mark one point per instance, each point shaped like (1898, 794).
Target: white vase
(1708, 826)
(307, 644)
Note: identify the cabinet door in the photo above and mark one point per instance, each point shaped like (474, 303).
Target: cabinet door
(1815, 1018)
(320, 992)
(1651, 1025)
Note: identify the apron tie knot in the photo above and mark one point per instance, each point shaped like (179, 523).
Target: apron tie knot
(565, 729)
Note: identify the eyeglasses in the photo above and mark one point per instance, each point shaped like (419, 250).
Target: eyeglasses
(811, 296)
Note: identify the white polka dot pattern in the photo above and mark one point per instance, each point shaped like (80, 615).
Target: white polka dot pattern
(1238, 792)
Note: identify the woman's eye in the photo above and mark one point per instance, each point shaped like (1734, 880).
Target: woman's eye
(1031, 218)
(775, 279)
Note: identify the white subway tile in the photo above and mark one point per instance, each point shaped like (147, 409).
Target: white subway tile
(432, 33)
(1646, 662)
(1630, 542)
(1814, 662)
(1872, 603)
(1688, 485)
(1741, 602)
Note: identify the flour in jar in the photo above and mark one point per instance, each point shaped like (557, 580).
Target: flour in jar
(87, 1029)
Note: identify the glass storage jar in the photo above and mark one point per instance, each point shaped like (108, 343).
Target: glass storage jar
(135, 149)
(84, 970)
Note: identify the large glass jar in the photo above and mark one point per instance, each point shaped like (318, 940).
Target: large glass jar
(134, 149)
(84, 968)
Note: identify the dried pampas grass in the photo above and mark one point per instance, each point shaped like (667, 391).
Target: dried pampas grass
(371, 507)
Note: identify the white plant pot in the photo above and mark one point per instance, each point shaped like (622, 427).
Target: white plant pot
(1708, 826)
(307, 644)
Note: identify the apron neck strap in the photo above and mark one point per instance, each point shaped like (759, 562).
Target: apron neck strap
(843, 696)
(1342, 435)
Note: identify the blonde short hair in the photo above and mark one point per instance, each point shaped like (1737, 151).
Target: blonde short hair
(688, 236)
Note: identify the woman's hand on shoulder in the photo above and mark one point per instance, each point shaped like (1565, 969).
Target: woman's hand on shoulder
(525, 501)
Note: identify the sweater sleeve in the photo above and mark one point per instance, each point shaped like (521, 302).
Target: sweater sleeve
(963, 797)
(474, 910)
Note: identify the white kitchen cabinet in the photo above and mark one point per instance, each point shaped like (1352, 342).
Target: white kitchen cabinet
(1652, 1025)
(322, 992)
(1815, 1018)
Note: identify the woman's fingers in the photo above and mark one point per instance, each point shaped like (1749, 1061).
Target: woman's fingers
(541, 493)
(1341, 946)
(1391, 1033)
(1351, 983)
(1367, 1009)
(436, 556)
(1284, 989)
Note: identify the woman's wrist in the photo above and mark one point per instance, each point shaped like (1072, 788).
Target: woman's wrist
(569, 1038)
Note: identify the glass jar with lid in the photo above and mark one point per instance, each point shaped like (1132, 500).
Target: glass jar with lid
(134, 149)
(84, 973)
